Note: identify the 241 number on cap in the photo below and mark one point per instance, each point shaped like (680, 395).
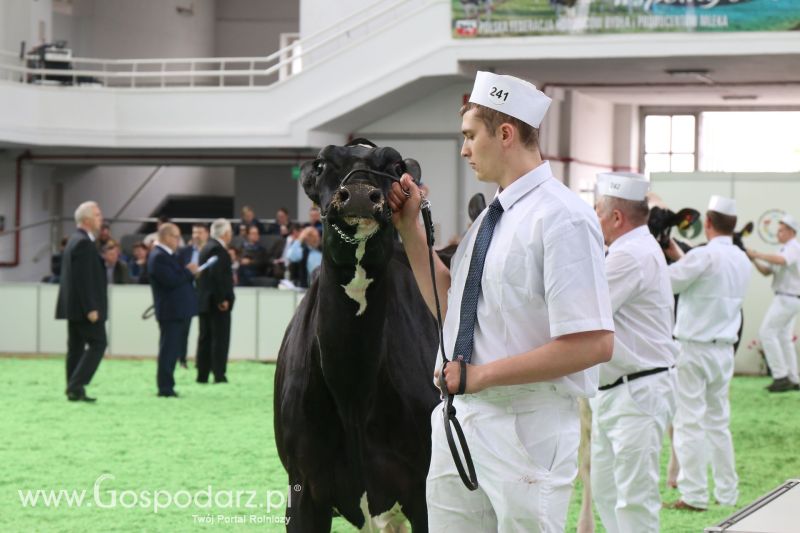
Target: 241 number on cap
(499, 94)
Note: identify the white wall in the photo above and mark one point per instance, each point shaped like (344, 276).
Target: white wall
(36, 205)
(117, 29)
(626, 137)
(247, 28)
(258, 323)
(591, 140)
(20, 21)
(316, 15)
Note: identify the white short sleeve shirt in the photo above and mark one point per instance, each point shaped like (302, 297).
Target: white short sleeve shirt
(643, 306)
(712, 282)
(786, 278)
(544, 276)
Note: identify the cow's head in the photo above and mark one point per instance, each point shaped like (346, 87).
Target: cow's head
(355, 210)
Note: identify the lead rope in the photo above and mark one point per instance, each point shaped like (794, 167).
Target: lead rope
(448, 410)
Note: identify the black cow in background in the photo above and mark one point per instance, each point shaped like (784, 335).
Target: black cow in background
(353, 387)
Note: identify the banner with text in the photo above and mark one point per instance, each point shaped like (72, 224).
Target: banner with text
(514, 18)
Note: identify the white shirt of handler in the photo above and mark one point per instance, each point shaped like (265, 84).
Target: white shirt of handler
(543, 277)
(786, 278)
(629, 419)
(712, 281)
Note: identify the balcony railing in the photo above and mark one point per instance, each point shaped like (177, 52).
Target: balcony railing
(295, 55)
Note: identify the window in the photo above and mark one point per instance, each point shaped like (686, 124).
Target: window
(669, 143)
(750, 141)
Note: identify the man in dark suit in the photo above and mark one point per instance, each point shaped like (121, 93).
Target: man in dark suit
(215, 298)
(191, 254)
(175, 302)
(83, 301)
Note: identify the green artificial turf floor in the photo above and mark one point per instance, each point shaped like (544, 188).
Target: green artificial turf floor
(138, 449)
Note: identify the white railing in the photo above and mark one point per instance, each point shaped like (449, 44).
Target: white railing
(291, 59)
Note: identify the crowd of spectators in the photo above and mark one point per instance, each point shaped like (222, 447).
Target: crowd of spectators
(283, 252)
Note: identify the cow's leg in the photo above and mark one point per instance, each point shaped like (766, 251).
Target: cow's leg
(415, 508)
(586, 517)
(304, 514)
(674, 467)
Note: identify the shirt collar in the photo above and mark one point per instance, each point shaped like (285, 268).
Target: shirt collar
(88, 234)
(523, 185)
(635, 233)
(722, 239)
(164, 248)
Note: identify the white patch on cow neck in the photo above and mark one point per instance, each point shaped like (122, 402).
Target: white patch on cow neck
(392, 521)
(356, 290)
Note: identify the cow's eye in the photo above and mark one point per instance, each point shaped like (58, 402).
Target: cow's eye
(319, 166)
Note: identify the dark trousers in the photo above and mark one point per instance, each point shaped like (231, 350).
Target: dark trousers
(212, 345)
(171, 348)
(86, 344)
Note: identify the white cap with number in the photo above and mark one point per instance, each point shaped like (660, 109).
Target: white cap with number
(625, 185)
(512, 96)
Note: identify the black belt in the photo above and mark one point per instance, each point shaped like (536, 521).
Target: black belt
(635, 375)
(787, 294)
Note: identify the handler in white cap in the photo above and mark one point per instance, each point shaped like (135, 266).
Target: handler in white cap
(712, 281)
(778, 325)
(636, 401)
(527, 308)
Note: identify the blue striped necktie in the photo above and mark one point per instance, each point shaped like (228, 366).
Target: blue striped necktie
(472, 287)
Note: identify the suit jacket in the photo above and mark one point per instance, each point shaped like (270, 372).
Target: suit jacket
(120, 276)
(82, 287)
(215, 284)
(172, 284)
(184, 254)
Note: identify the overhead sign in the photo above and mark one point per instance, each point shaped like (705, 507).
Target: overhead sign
(514, 18)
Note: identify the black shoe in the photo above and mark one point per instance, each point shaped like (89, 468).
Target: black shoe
(221, 380)
(202, 380)
(170, 394)
(80, 397)
(781, 385)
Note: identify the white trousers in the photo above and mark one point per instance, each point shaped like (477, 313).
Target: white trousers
(524, 443)
(702, 434)
(776, 334)
(628, 425)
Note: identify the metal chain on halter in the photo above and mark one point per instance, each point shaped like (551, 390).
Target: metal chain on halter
(347, 238)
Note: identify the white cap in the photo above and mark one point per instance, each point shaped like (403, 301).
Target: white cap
(512, 96)
(721, 204)
(625, 185)
(790, 221)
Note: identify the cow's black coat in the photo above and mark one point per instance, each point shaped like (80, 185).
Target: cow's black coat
(354, 394)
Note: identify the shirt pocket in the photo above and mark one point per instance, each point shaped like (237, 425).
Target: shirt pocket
(516, 287)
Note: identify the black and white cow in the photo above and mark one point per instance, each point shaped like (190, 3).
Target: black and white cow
(353, 385)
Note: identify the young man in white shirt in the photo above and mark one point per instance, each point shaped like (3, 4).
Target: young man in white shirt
(529, 308)
(636, 400)
(712, 281)
(778, 325)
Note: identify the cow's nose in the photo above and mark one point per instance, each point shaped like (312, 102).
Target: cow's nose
(359, 199)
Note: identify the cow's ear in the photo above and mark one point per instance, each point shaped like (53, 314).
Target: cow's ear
(309, 176)
(413, 168)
